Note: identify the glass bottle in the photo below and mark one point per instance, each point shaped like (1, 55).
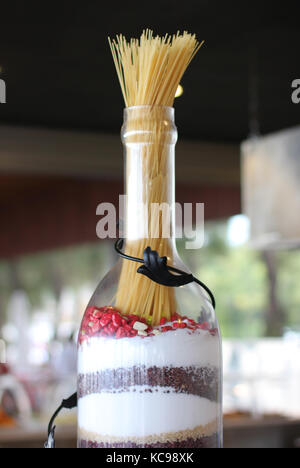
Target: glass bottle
(149, 356)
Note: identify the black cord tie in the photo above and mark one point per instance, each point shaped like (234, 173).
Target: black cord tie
(69, 403)
(157, 269)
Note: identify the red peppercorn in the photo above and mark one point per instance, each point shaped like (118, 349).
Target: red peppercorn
(192, 321)
(127, 327)
(117, 319)
(96, 315)
(87, 317)
(108, 310)
(111, 329)
(121, 332)
(133, 317)
(179, 325)
(105, 320)
(93, 327)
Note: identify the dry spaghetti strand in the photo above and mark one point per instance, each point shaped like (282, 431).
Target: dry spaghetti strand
(149, 70)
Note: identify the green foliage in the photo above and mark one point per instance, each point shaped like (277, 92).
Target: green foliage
(49, 272)
(238, 278)
(289, 286)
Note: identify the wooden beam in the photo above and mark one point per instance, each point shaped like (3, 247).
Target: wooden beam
(99, 156)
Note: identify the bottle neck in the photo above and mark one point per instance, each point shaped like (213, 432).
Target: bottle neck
(149, 137)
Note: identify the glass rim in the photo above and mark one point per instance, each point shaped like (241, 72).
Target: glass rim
(165, 112)
(149, 106)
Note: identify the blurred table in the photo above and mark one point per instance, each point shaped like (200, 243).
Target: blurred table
(241, 432)
(267, 432)
(35, 435)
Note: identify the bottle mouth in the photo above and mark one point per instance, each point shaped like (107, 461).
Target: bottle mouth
(149, 113)
(149, 124)
(147, 107)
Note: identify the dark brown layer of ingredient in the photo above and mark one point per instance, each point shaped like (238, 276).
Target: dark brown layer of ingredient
(201, 442)
(191, 380)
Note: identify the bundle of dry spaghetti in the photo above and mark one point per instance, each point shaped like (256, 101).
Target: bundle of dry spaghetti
(150, 70)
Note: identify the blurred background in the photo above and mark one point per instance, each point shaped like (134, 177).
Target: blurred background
(61, 155)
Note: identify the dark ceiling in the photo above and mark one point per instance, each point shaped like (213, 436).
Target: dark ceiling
(59, 73)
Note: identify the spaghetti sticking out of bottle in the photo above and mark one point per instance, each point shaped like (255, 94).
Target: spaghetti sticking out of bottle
(150, 70)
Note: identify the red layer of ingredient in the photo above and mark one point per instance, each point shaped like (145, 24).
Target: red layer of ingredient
(109, 322)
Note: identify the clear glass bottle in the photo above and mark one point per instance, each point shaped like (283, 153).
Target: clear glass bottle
(149, 356)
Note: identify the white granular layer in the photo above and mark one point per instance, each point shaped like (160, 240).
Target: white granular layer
(180, 348)
(131, 414)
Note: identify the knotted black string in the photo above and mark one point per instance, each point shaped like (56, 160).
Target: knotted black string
(156, 269)
(69, 403)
